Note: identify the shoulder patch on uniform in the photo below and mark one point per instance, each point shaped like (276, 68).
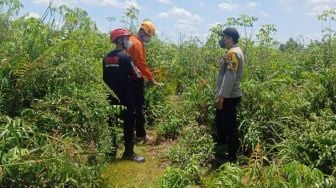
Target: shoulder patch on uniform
(229, 57)
(232, 60)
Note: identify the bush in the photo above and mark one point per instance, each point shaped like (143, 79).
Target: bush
(31, 158)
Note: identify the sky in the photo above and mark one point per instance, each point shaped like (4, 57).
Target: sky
(173, 18)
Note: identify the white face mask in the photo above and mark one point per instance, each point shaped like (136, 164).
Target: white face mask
(127, 44)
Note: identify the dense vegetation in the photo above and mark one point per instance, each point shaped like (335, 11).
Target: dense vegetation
(54, 113)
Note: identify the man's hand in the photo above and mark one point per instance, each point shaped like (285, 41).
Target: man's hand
(155, 83)
(219, 102)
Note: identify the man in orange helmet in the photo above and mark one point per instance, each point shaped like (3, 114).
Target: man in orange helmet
(117, 72)
(138, 53)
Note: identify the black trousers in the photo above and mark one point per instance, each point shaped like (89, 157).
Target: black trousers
(226, 125)
(138, 88)
(124, 93)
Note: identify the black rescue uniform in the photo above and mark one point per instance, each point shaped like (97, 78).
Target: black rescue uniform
(117, 72)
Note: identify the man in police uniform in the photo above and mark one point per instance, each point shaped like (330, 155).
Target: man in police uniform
(228, 92)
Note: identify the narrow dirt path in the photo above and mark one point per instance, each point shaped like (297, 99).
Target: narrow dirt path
(122, 173)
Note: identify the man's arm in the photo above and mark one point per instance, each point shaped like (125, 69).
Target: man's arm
(139, 58)
(230, 75)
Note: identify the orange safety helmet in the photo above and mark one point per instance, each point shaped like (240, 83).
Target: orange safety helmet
(116, 33)
(148, 27)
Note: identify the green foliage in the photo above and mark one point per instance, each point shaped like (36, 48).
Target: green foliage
(130, 16)
(291, 46)
(193, 144)
(310, 148)
(190, 157)
(227, 175)
(293, 174)
(182, 176)
(171, 127)
(31, 158)
(265, 33)
(53, 104)
(53, 108)
(301, 176)
(176, 177)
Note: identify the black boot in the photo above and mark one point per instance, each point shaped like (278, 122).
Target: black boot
(133, 157)
(143, 139)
